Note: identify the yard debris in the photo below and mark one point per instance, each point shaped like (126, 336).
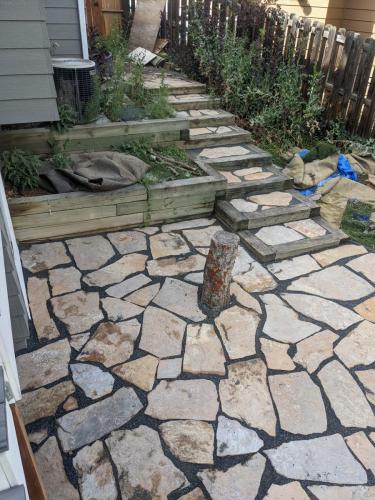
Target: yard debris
(146, 24)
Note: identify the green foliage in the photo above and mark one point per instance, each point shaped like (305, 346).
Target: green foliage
(114, 91)
(349, 143)
(356, 223)
(321, 150)
(20, 169)
(93, 106)
(135, 84)
(68, 118)
(158, 106)
(59, 158)
(115, 42)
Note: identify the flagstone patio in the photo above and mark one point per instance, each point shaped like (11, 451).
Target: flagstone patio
(132, 390)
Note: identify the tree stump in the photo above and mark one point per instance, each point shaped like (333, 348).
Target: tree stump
(218, 270)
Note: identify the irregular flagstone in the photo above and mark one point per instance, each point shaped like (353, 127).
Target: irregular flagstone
(140, 372)
(128, 286)
(183, 400)
(323, 459)
(51, 468)
(342, 492)
(326, 311)
(299, 403)
(166, 244)
(195, 278)
(200, 237)
(44, 256)
(80, 427)
(364, 265)
(276, 198)
(276, 354)
(246, 171)
(195, 494)
(363, 449)
(235, 439)
(180, 298)
(79, 340)
(270, 299)
(257, 279)
(289, 491)
(38, 294)
(128, 241)
(245, 395)
(94, 471)
(307, 227)
(120, 310)
(169, 368)
(44, 366)
(244, 298)
(277, 235)
(223, 152)
(187, 224)
(92, 380)
(90, 252)
(203, 250)
(189, 440)
(312, 351)
(148, 230)
(358, 347)
(112, 343)
(231, 179)
(64, 280)
(79, 310)
(367, 379)
(237, 328)
(243, 262)
(335, 282)
(346, 398)
(172, 266)
(44, 402)
(241, 481)
(118, 271)
(243, 205)
(38, 437)
(292, 268)
(70, 404)
(290, 329)
(162, 333)
(203, 351)
(367, 309)
(332, 255)
(143, 469)
(144, 296)
(257, 176)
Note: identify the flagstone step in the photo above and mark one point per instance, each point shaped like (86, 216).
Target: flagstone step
(177, 84)
(207, 117)
(222, 135)
(231, 158)
(291, 239)
(193, 101)
(256, 211)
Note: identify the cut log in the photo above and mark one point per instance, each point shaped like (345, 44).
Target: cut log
(218, 270)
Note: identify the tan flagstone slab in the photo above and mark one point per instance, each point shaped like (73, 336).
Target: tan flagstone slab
(311, 352)
(203, 251)
(128, 241)
(38, 437)
(223, 152)
(243, 263)
(203, 351)
(148, 230)
(44, 366)
(277, 235)
(169, 368)
(187, 224)
(258, 176)
(70, 404)
(335, 282)
(90, 252)
(241, 481)
(79, 340)
(244, 298)
(196, 278)
(167, 244)
(143, 469)
(323, 492)
(51, 469)
(200, 237)
(128, 286)
(244, 395)
(173, 266)
(292, 268)
(78, 310)
(44, 402)
(44, 256)
(120, 310)
(189, 440)
(276, 198)
(144, 296)
(276, 354)
(162, 333)
(118, 271)
(38, 294)
(307, 227)
(139, 372)
(257, 279)
(95, 474)
(323, 310)
(180, 298)
(367, 379)
(363, 449)
(246, 171)
(235, 439)
(64, 280)
(183, 400)
(299, 403)
(323, 459)
(332, 255)
(364, 265)
(195, 494)
(367, 309)
(231, 179)
(289, 491)
(94, 382)
(112, 343)
(237, 328)
(358, 347)
(243, 205)
(346, 398)
(198, 131)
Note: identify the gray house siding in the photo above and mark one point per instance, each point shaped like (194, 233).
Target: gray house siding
(27, 91)
(63, 27)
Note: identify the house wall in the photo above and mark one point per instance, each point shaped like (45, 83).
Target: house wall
(64, 28)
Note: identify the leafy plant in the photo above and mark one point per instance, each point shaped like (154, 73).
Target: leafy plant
(158, 106)
(68, 118)
(59, 158)
(115, 42)
(20, 169)
(114, 91)
(135, 84)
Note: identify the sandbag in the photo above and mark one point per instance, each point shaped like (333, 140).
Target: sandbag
(306, 175)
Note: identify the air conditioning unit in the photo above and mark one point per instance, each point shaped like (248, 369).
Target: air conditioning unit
(74, 82)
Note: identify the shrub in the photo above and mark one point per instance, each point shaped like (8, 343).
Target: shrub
(158, 106)
(68, 118)
(20, 169)
(114, 91)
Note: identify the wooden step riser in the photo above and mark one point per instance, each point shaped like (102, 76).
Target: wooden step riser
(216, 140)
(212, 121)
(199, 104)
(277, 183)
(254, 160)
(183, 90)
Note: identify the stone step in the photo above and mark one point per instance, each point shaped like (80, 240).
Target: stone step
(177, 84)
(282, 241)
(207, 117)
(218, 136)
(187, 102)
(259, 210)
